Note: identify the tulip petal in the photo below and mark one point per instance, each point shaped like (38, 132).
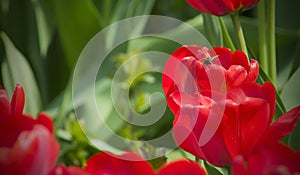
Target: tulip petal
(45, 120)
(180, 167)
(34, 152)
(72, 170)
(224, 56)
(218, 8)
(18, 100)
(244, 125)
(4, 104)
(239, 58)
(126, 164)
(274, 159)
(253, 72)
(187, 131)
(235, 76)
(282, 126)
(12, 128)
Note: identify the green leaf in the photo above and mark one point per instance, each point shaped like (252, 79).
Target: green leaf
(179, 154)
(78, 22)
(227, 41)
(17, 70)
(213, 30)
(158, 162)
(44, 23)
(294, 140)
(213, 170)
(290, 93)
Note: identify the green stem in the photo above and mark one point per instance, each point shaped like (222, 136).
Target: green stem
(239, 31)
(228, 170)
(227, 39)
(197, 159)
(262, 37)
(272, 40)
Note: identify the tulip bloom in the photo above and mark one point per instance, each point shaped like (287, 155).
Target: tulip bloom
(269, 160)
(222, 7)
(106, 163)
(132, 164)
(180, 167)
(27, 146)
(72, 170)
(193, 79)
(270, 157)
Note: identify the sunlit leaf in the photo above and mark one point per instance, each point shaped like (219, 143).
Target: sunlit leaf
(17, 70)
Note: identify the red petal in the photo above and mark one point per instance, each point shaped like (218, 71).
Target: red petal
(18, 100)
(239, 166)
(105, 163)
(239, 58)
(267, 92)
(235, 76)
(189, 127)
(180, 167)
(34, 152)
(224, 56)
(282, 126)
(253, 72)
(44, 119)
(274, 159)
(72, 170)
(249, 3)
(4, 104)
(244, 125)
(12, 128)
(218, 8)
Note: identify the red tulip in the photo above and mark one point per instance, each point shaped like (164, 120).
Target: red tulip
(269, 157)
(132, 164)
(194, 78)
(272, 159)
(27, 146)
(180, 167)
(222, 7)
(127, 164)
(72, 170)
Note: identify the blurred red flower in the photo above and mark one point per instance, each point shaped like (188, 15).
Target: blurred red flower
(180, 167)
(132, 164)
(216, 89)
(27, 146)
(222, 7)
(72, 170)
(270, 157)
(126, 164)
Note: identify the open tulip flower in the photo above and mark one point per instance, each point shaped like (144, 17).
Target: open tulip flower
(221, 7)
(27, 146)
(248, 108)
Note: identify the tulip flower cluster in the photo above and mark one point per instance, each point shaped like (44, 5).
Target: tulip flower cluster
(245, 133)
(28, 147)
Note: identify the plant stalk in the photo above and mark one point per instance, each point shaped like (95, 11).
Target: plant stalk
(272, 40)
(262, 37)
(239, 31)
(227, 39)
